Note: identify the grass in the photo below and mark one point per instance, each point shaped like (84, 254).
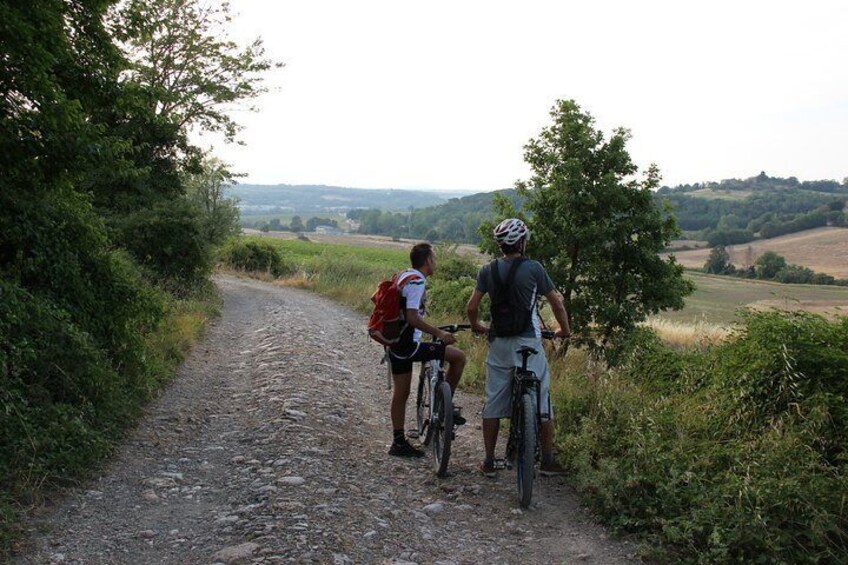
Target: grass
(718, 299)
(689, 447)
(719, 194)
(183, 325)
(824, 250)
(349, 273)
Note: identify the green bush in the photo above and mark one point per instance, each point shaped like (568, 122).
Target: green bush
(449, 297)
(168, 239)
(255, 256)
(451, 265)
(736, 454)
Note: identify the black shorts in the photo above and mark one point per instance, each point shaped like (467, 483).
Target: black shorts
(402, 360)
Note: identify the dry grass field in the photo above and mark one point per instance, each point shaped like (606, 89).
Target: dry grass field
(713, 306)
(824, 250)
(719, 194)
(718, 299)
(359, 240)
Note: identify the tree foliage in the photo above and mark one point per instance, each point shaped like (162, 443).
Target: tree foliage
(93, 200)
(179, 49)
(596, 228)
(718, 263)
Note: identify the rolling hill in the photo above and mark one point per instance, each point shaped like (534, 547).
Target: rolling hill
(824, 250)
(259, 199)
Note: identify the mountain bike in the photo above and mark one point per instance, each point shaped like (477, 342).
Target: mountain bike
(523, 448)
(434, 408)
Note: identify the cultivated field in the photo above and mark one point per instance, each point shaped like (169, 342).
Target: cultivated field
(715, 302)
(824, 250)
(717, 299)
(359, 240)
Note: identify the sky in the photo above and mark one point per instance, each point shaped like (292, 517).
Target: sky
(444, 95)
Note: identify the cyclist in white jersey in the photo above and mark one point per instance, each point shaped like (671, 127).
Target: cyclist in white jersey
(410, 349)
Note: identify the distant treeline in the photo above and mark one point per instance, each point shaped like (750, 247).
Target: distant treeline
(768, 267)
(458, 220)
(724, 213)
(765, 207)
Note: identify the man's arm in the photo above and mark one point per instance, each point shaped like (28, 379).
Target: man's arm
(558, 308)
(416, 321)
(473, 311)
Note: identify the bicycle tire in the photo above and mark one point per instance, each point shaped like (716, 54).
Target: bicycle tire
(526, 452)
(443, 424)
(423, 404)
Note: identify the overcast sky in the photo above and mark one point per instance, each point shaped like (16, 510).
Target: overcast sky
(443, 95)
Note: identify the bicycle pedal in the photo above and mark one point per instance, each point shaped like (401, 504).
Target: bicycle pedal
(412, 434)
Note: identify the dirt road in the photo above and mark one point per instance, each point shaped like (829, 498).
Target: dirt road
(270, 447)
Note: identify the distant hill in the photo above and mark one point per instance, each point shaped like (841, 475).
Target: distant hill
(262, 199)
(824, 250)
(456, 220)
(739, 210)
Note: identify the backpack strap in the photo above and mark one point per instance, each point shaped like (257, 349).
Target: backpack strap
(496, 274)
(401, 280)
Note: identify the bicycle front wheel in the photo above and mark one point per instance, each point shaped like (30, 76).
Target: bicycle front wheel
(443, 427)
(422, 406)
(526, 449)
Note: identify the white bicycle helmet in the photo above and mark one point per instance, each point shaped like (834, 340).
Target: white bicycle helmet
(511, 231)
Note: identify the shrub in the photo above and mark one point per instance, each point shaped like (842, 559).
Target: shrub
(449, 297)
(735, 454)
(255, 256)
(169, 240)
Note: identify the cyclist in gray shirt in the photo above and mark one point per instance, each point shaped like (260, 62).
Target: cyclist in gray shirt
(530, 281)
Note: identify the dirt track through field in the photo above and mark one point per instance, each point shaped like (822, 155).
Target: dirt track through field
(270, 447)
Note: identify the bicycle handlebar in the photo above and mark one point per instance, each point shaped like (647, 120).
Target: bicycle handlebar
(453, 328)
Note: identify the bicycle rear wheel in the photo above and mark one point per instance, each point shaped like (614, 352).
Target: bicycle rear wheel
(443, 427)
(422, 406)
(526, 452)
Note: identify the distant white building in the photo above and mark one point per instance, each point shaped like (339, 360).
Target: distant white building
(328, 230)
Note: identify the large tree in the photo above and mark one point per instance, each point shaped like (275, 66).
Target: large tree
(181, 50)
(596, 228)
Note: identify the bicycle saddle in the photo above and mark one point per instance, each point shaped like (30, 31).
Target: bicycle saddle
(528, 349)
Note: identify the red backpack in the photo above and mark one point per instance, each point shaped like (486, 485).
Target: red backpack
(386, 322)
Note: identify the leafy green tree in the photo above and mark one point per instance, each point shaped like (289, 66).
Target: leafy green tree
(718, 263)
(769, 264)
(296, 224)
(596, 228)
(180, 49)
(207, 190)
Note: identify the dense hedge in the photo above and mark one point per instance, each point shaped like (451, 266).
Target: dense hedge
(733, 454)
(257, 256)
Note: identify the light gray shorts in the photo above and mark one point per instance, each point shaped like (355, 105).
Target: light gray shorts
(500, 364)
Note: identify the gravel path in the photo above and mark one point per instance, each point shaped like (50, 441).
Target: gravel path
(270, 447)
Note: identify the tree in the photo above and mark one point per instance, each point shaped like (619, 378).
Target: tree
(180, 49)
(596, 228)
(718, 263)
(769, 264)
(296, 224)
(219, 213)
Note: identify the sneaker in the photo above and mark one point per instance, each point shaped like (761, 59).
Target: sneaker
(551, 469)
(488, 469)
(458, 419)
(404, 450)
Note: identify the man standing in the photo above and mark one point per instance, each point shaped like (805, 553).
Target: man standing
(528, 280)
(409, 348)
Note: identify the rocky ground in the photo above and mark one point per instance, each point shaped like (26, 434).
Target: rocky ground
(270, 447)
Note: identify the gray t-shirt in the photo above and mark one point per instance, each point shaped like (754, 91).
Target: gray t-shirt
(531, 280)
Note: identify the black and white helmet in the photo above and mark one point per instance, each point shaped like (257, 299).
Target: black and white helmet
(511, 231)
